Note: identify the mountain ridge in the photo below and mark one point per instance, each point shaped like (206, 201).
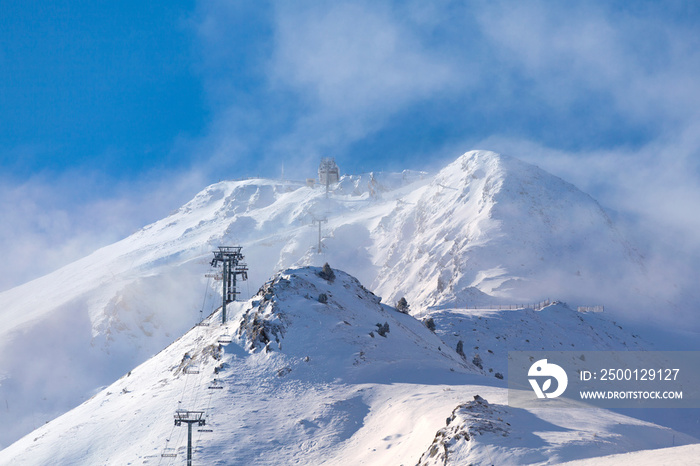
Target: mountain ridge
(292, 377)
(403, 234)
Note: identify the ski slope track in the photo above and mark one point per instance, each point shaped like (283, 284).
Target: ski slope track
(301, 381)
(486, 229)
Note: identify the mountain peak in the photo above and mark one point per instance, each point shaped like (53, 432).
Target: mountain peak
(493, 228)
(338, 328)
(486, 229)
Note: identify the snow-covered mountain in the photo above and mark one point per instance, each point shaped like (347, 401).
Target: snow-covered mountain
(487, 228)
(315, 370)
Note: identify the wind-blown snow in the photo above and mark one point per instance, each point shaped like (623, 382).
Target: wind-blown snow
(493, 225)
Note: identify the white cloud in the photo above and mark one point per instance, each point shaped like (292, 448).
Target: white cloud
(646, 66)
(353, 66)
(354, 58)
(49, 221)
(323, 76)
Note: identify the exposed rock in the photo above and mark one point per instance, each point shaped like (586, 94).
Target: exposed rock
(327, 273)
(469, 420)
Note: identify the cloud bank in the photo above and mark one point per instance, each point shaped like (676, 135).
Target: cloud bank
(50, 221)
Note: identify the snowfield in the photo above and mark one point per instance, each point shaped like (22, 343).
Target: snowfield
(299, 379)
(305, 382)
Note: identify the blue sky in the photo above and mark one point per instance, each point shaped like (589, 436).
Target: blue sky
(115, 113)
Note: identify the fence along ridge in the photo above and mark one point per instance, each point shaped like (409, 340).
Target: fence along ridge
(505, 307)
(597, 308)
(536, 306)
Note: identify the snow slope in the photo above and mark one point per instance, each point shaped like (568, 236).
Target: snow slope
(482, 432)
(687, 455)
(487, 228)
(485, 333)
(307, 382)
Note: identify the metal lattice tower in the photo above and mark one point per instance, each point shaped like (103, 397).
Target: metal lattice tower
(189, 417)
(320, 221)
(231, 258)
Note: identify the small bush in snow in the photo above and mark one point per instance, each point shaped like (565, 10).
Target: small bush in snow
(430, 323)
(460, 349)
(323, 298)
(478, 362)
(327, 273)
(382, 330)
(402, 305)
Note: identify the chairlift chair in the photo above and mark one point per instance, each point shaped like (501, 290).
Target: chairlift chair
(216, 385)
(169, 453)
(192, 370)
(225, 339)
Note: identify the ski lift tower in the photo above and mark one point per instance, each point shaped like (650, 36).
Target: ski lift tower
(231, 258)
(328, 172)
(319, 221)
(189, 417)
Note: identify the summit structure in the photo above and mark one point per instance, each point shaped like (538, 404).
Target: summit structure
(328, 171)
